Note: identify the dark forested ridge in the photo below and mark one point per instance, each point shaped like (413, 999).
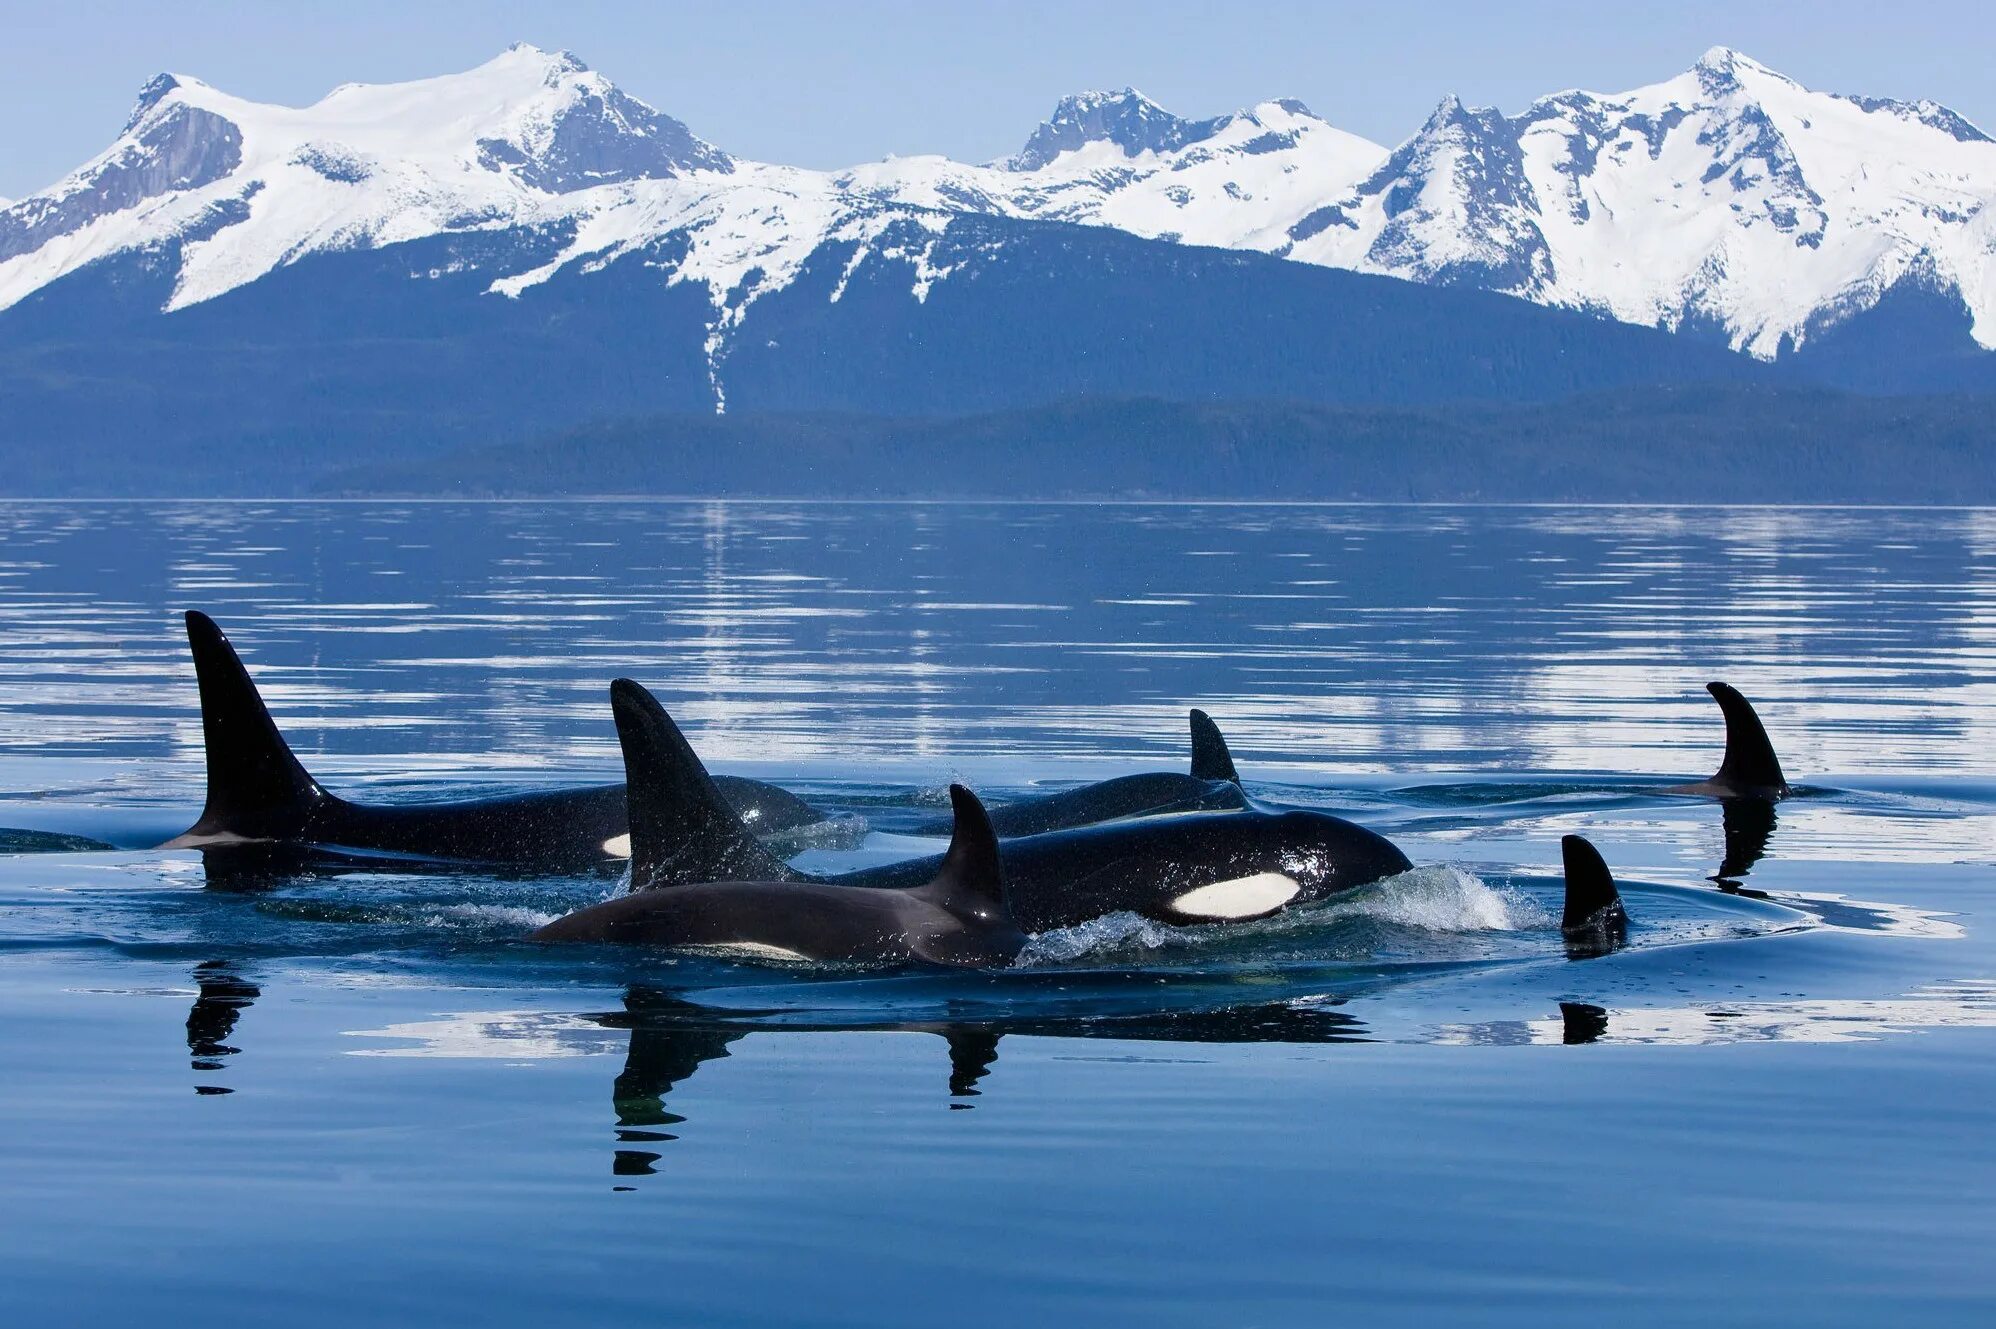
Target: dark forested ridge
(403, 352)
(1053, 359)
(1734, 445)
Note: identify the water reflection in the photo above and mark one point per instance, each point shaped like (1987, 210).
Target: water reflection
(1520, 639)
(666, 1039)
(1349, 653)
(1749, 823)
(1962, 1004)
(672, 1038)
(1559, 651)
(223, 997)
(1581, 1022)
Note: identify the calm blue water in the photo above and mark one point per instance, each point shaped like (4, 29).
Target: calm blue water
(358, 1098)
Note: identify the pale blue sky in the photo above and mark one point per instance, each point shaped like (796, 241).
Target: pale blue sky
(836, 83)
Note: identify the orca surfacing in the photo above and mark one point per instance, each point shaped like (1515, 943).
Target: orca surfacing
(958, 917)
(259, 794)
(1194, 867)
(1212, 785)
(266, 816)
(1594, 921)
(1749, 769)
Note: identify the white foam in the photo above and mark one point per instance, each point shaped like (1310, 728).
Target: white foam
(488, 915)
(1432, 899)
(1107, 933)
(1440, 898)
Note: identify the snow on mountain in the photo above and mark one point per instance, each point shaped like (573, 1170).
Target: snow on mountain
(1237, 181)
(229, 190)
(243, 187)
(535, 141)
(1221, 182)
(1727, 198)
(1127, 119)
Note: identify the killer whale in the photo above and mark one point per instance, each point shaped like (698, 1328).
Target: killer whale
(1749, 769)
(1192, 867)
(1594, 920)
(1747, 785)
(1212, 785)
(260, 794)
(957, 917)
(671, 1038)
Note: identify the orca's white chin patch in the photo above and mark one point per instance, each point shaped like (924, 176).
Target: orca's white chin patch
(618, 846)
(1241, 897)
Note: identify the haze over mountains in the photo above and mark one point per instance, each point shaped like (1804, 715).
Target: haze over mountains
(524, 247)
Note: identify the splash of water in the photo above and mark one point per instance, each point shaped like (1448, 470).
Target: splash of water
(1441, 898)
(1102, 936)
(484, 918)
(1432, 899)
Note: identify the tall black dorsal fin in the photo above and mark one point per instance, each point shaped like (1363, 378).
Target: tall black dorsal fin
(1210, 758)
(1592, 902)
(256, 788)
(970, 870)
(682, 829)
(1750, 766)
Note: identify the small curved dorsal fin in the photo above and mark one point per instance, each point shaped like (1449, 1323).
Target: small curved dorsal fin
(1592, 902)
(970, 871)
(682, 829)
(256, 787)
(1210, 758)
(1750, 765)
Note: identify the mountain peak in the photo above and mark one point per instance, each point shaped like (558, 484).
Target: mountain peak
(531, 51)
(554, 62)
(1295, 106)
(582, 130)
(1095, 97)
(1722, 70)
(155, 91)
(1128, 119)
(1719, 59)
(1448, 111)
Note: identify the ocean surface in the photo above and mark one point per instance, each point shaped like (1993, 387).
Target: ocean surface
(359, 1099)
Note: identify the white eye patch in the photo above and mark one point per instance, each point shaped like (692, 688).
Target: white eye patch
(618, 846)
(1241, 897)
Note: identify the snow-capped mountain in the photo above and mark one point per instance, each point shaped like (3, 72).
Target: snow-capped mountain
(225, 191)
(240, 187)
(1239, 181)
(1728, 198)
